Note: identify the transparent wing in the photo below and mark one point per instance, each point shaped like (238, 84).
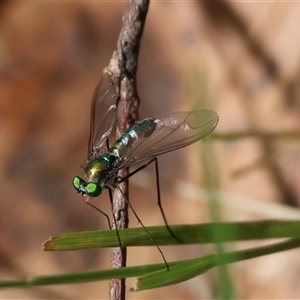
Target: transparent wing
(172, 132)
(103, 113)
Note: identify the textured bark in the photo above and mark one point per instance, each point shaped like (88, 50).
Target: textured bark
(122, 69)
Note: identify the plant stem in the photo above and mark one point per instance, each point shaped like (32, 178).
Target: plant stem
(122, 68)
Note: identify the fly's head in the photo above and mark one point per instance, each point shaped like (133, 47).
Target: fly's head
(98, 174)
(90, 189)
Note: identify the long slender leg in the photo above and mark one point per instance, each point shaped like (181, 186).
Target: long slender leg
(95, 207)
(107, 144)
(140, 222)
(136, 170)
(157, 190)
(159, 202)
(112, 210)
(107, 217)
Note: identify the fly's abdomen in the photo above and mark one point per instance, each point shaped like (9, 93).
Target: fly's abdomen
(136, 133)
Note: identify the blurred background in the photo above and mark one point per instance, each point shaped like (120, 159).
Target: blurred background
(239, 59)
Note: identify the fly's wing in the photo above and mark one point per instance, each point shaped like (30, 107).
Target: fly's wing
(103, 112)
(172, 132)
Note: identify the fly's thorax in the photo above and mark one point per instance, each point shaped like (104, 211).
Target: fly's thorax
(99, 169)
(138, 131)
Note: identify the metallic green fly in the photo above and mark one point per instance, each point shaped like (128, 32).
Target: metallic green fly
(141, 144)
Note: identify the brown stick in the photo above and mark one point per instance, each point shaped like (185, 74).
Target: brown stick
(122, 69)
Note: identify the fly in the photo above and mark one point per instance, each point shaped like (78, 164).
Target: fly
(142, 143)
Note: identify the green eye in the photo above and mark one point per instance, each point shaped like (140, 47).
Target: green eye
(93, 189)
(77, 183)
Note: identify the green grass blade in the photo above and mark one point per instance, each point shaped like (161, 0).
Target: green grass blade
(187, 234)
(176, 274)
(81, 277)
(195, 267)
(156, 275)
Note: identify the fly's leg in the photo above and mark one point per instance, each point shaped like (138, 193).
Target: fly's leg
(136, 170)
(154, 159)
(140, 222)
(95, 207)
(107, 144)
(112, 210)
(104, 214)
(159, 202)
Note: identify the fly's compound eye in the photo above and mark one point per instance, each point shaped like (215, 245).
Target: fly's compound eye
(93, 189)
(78, 184)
